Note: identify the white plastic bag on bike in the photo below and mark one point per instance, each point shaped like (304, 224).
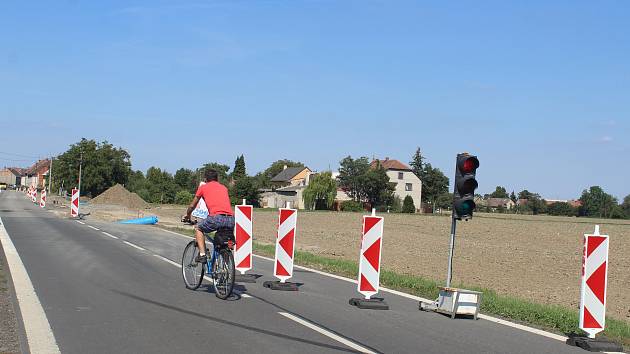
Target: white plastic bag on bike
(201, 211)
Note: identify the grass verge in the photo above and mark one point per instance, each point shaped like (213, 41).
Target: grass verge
(553, 318)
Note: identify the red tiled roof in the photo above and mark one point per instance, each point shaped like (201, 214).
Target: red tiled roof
(389, 164)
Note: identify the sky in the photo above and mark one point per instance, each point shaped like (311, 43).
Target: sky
(538, 90)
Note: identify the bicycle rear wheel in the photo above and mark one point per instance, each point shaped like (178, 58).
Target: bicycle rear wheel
(224, 274)
(192, 271)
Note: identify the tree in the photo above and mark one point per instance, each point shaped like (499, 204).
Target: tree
(352, 175)
(417, 164)
(183, 178)
(103, 166)
(376, 186)
(499, 192)
(434, 184)
(444, 200)
(625, 206)
(239, 168)
(597, 203)
(408, 206)
(160, 186)
(320, 192)
(245, 188)
(513, 197)
(183, 197)
(562, 209)
(524, 194)
(221, 169)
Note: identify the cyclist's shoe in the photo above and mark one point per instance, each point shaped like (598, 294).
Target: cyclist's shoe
(202, 259)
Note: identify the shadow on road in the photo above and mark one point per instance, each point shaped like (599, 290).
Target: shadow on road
(234, 324)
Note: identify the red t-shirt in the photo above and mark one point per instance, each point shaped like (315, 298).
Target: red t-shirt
(216, 197)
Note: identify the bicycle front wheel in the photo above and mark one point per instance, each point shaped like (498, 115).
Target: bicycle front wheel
(192, 271)
(224, 274)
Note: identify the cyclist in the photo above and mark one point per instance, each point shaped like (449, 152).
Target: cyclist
(220, 215)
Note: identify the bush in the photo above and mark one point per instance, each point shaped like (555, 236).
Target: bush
(351, 205)
(408, 206)
(183, 197)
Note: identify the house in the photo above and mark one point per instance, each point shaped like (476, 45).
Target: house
(36, 175)
(288, 186)
(573, 203)
(505, 203)
(12, 176)
(407, 183)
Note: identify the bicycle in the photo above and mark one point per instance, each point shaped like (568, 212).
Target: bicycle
(220, 266)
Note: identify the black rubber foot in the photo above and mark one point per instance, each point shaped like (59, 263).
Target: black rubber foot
(595, 344)
(375, 303)
(246, 278)
(276, 285)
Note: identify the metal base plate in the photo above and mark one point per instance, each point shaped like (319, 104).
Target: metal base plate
(595, 344)
(276, 285)
(375, 303)
(246, 278)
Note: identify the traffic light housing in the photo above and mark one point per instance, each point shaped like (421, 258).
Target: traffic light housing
(465, 185)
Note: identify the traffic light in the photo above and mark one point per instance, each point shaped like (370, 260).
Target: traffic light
(465, 185)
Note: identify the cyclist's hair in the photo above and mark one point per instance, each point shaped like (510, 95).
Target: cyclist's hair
(211, 175)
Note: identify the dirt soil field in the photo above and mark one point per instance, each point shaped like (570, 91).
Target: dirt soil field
(532, 257)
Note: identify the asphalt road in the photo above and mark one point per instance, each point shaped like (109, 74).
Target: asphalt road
(102, 295)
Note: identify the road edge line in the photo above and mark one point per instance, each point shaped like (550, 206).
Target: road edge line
(39, 334)
(345, 341)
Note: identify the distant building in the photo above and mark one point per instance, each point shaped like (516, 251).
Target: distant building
(505, 203)
(288, 187)
(571, 202)
(36, 175)
(12, 176)
(407, 183)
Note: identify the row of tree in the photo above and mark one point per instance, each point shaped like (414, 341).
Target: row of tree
(594, 202)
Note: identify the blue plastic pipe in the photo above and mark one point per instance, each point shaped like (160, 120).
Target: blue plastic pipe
(149, 220)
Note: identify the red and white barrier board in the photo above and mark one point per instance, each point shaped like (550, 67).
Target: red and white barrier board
(34, 196)
(42, 200)
(594, 282)
(243, 238)
(285, 244)
(370, 258)
(74, 203)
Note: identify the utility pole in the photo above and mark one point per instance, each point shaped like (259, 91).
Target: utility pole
(50, 175)
(80, 166)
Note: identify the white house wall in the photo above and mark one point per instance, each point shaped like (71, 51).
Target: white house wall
(408, 177)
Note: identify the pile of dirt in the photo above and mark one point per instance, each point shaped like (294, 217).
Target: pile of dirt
(118, 195)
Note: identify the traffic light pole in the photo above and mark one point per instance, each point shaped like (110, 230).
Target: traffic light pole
(450, 252)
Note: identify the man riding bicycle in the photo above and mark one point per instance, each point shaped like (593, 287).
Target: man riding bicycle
(220, 215)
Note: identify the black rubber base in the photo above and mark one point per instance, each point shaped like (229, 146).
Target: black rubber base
(276, 285)
(595, 344)
(246, 278)
(375, 303)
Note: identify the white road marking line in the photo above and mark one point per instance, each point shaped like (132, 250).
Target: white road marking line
(134, 245)
(168, 260)
(92, 227)
(246, 295)
(417, 298)
(175, 233)
(327, 333)
(80, 222)
(38, 332)
(110, 235)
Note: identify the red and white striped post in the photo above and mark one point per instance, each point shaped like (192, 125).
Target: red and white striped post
(285, 247)
(594, 281)
(34, 196)
(370, 263)
(243, 215)
(74, 203)
(42, 200)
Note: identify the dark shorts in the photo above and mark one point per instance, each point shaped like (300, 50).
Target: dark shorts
(214, 222)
